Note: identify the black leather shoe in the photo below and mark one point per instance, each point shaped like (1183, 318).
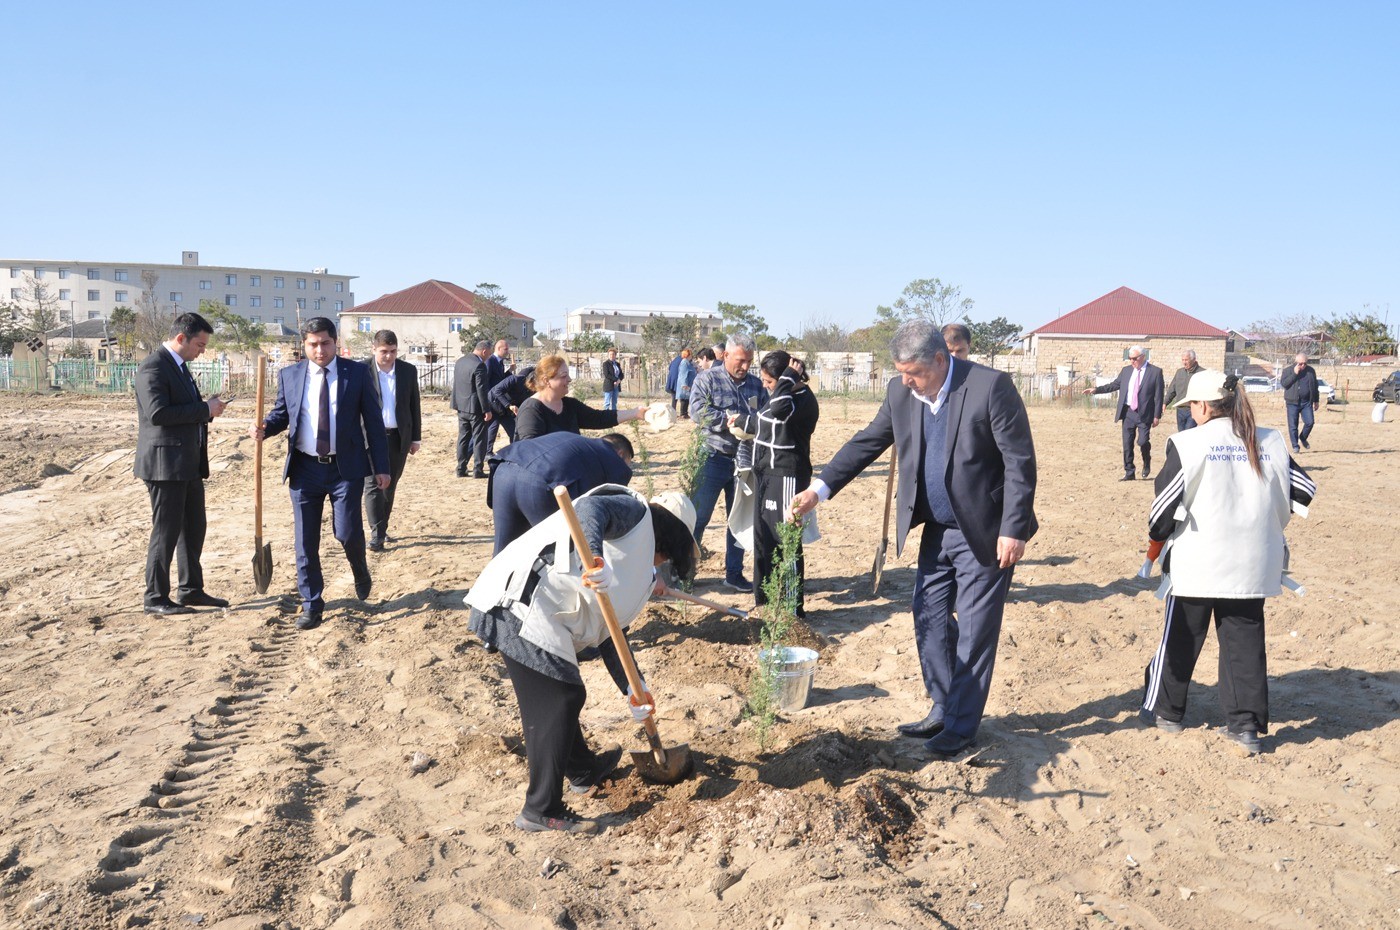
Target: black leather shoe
(363, 584)
(946, 745)
(931, 725)
(200, 599)
(1128, 478)
(478, 474)
(167, 609)
(309, 621)
(376, 545)
(1146, 473)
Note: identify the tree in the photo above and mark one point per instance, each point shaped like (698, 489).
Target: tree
(232, 331)
(993, 338)
(10, 331)
(1282, 337)
(823, 335)
(122, 321)
(38, 313)
(742, 318)
(1355, 334)
(930, 299)
(493, 318)
(591, 341)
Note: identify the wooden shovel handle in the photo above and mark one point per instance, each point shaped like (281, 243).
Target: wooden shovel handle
(257, 459)
(713, 605)
(624, 652)
(889, 490)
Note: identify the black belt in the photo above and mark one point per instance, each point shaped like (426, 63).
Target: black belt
(392, 429)
(323, 459)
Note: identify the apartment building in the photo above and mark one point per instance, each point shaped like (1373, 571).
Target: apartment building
(625, 322)
(91, 290)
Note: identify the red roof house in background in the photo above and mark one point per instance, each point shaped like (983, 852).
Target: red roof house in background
(427, 318)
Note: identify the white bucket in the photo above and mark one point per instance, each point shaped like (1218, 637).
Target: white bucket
(1378, 412)
(795, 673)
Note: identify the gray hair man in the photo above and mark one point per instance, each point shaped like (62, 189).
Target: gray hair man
(716, 393)
(1177, 389)
(967, 474)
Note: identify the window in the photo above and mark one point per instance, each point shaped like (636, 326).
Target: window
(339, 306)
(94, 315)
(206, 285)
(38, 272)
(17, 293)
(14, 272)
(119, 297)
(230, 300)
(176, 296)
(278, 282)
(63, 274)
(301, 284)
(65, 294)
(231, 280)
(454, 325)
(366, 324)
(255, 301)
(277, 302)
(94, 274)
(339, 286)
(255, 319)
(524, 330)
(119, 275)
(301, 303)
(94, 295)
(255, 280)
(279, 320)
(316, 285)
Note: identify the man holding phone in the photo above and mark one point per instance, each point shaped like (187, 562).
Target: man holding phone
(172, 457)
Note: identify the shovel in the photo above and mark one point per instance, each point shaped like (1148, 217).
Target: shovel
(659, 764)
(262, 552)
(713, 605)
(878, 570)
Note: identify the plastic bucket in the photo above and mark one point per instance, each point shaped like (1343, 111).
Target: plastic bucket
(796, 669)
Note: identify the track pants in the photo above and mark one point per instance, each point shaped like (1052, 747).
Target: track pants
(1244, 681)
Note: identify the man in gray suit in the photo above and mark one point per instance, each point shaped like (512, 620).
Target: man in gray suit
(967, 473)
(470, 382)
(172, 457)
(396, 387)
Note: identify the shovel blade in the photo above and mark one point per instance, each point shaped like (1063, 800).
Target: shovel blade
(677, 766)
(262, 565)
(878, 570)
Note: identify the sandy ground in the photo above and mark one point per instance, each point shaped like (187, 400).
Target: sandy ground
(224, 770)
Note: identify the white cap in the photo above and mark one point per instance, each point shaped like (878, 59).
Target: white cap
(1205, 386)
(678, 505)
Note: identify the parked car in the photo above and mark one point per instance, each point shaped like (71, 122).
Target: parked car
(1388, 390)
(1257, 385)
(1326, 392)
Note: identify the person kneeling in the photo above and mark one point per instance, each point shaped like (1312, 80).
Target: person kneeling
(542, 613)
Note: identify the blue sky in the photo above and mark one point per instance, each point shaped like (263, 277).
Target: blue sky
(1234, 160)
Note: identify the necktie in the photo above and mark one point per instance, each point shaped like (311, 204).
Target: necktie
(323, 420)
(1132, 395)
(189, 374)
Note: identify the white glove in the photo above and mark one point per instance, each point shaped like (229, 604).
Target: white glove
(640, 712)
(601, 577)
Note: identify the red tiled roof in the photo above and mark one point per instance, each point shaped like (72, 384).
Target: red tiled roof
(1125, 312)
(431, 298)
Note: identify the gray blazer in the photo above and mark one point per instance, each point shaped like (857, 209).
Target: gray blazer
(171, 441)
(991, 459)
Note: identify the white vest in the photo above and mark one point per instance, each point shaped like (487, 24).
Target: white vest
(563, 617)
(1229, 541)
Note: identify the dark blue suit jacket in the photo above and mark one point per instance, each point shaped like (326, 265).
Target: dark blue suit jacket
(577, 462)
(991, 459)
(361, 445)
(1150, 390)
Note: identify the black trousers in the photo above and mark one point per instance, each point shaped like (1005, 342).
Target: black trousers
(379, 505)
(1244, 678)
(177, 531)
(1137, 426)
(471, 442)
(554, 743)
(773, 492)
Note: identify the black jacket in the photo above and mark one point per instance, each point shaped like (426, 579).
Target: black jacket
(469, 383)
(172, 443)
(1299, 387)
(783, 429)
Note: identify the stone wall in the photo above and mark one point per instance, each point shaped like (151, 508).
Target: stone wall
(1090, 355)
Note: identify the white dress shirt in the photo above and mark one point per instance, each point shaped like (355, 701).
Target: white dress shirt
(388, 396)
(311, 406)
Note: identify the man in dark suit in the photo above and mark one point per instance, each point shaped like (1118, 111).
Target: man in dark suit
(469, 386)
(525, 474)
(967, 473)
(396, 389)
(505, 398)
(172, 457)
(328, 409)
(498, 366)
(612, 380)
(1139, 387)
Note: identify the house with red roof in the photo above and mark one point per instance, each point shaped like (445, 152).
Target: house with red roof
(1095, 338)
(429, 317)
